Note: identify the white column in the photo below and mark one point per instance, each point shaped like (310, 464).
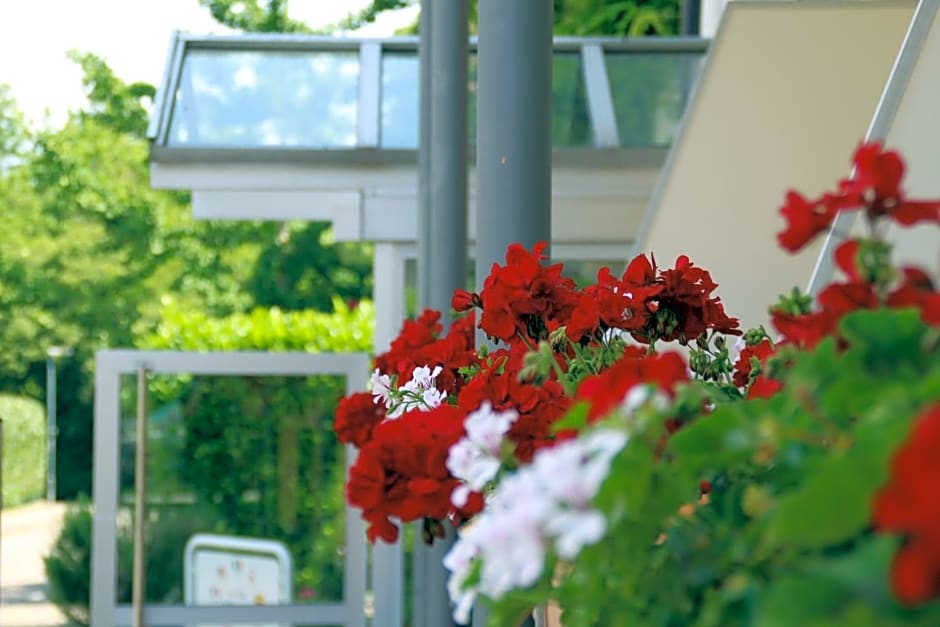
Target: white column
(388, 294)
(710, 17)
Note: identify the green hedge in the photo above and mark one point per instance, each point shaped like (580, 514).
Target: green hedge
(24, 449)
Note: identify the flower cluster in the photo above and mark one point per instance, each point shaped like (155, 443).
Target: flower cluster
(626, 384)
(874, 188)
(420, 345)
(502, 402)
(909, 505)
(544, 506)
(420, 393)
(513, 443)
(476, 459)
(869, 285)
(522, 300)
(401, 472)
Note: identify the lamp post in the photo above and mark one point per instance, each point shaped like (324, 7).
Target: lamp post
(52, 354)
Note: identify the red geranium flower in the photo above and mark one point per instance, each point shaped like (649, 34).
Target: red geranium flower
(805, 219)
(401, 471)
(414, 335)
(356, 417)
(917, 290)
(877, 182)
(606, 391)
(909, 504)
(745, 363)
(679, 301)
(874, 186)
(523, 299)
(419, 344)
(539, 406)
(612, 304)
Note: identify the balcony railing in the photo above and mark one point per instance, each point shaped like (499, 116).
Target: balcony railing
(284, 94)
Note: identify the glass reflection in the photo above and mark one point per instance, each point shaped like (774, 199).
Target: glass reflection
(571, 123)
(266, 99)
(650, 92)
(252, 457)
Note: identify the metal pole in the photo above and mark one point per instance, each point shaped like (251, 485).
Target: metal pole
(691, 17)
(51, 428)
(447, 241)
(514, 128)
(140, 486)
(424, 152)
(443, 224)
(419, 556)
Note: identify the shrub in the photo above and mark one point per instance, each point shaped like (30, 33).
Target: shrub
(24, 449)
(69, 563)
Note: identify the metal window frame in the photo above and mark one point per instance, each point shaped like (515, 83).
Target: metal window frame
(370, 52)
(599, 97)
(881, 123)
(110, 365)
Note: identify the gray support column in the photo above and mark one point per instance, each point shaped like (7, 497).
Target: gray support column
(419, 557)
(447, 236)
(424, 151)
(442, 264)
(513, 127)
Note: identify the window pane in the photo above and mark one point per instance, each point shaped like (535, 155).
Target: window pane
(400, 96)
(249, 457)
(266, 99)
(571, 124)
(650, 92)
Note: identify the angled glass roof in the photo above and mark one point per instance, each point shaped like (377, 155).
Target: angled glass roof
(288, 93)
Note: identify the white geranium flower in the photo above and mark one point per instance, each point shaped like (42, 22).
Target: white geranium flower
(546, 503)
(487, 428)
(642, 394)
(468, 463)
(476, 458)
(381, 387)
(459, 561)
(573, 530)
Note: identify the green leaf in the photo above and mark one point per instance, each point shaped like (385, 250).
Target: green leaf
(575, 418)
(834, 503)
(722, 438)
(794, 600)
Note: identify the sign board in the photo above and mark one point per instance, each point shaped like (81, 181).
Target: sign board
(230, 570)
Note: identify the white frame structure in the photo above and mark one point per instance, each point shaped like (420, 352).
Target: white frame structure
(880, 129)
(109, 366)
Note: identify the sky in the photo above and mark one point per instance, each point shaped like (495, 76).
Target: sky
(133, 36)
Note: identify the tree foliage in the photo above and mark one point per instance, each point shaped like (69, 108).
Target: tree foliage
(89, 252)
(255, 16)
(623, 18)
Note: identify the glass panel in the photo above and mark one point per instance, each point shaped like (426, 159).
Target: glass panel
(400, 96)
(266, 98)
(249, 457)
(650, 92)
(571, 124)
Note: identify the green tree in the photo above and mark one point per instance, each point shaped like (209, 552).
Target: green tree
(88, 253)
(14, 132)
(623, 18)
(255, 16)
(112, 102)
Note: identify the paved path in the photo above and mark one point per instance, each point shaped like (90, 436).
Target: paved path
(26, 535)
